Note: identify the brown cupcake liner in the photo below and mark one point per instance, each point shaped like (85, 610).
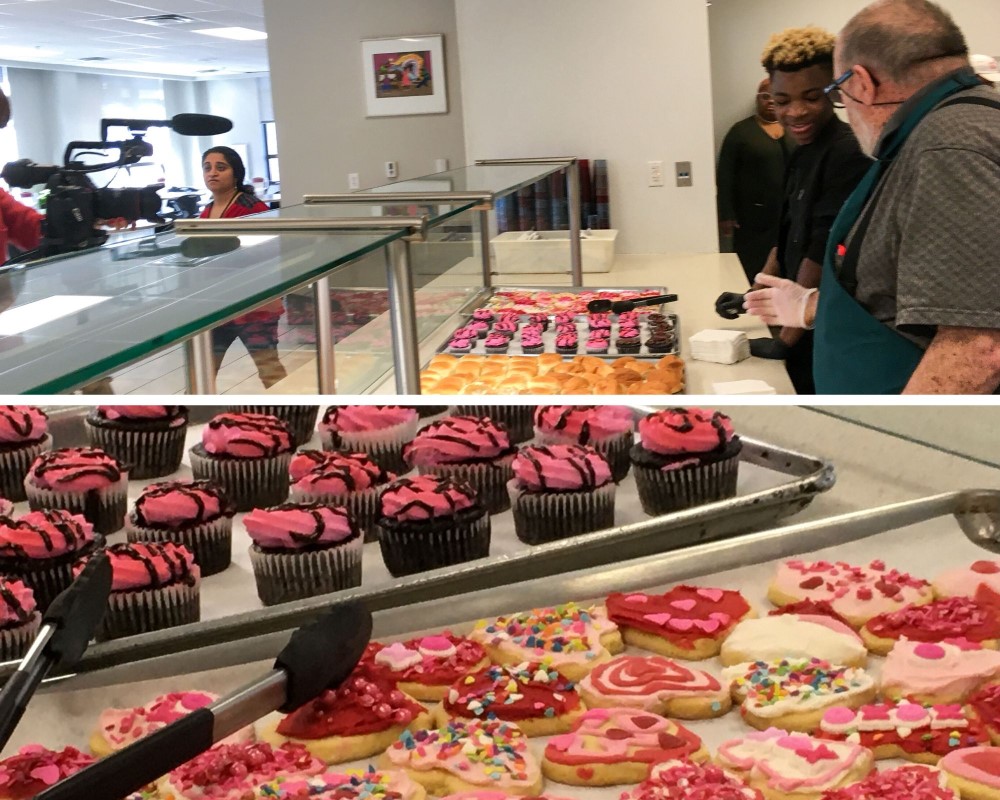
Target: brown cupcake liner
(130, 613)
(489, 479)
(362, 506)
(248, 482)
(14, 466)
(384, 446)
(291, 575)
(103, 508)
(541, 517)
(145, 453)
(518, 419)
(664, 491)
(16, 640)
(615, 450)
(211, 543)
(301, 420)
(408, 548)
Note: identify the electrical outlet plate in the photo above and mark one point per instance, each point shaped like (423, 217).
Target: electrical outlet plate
(655, 173)
(353, 181)
(684, 178)
(391, 169)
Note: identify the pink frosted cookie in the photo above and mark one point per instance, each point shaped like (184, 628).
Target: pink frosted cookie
(352, 785)
(948, 672)
(425, 668)
(974, 773)
(856, 593)
(794, 636)
(948, 618)
(657, 684)
(488, 795)
(794, 766)
(903, 783)
(685, 780)
(980, 581)
(120, 727)
(612, 746)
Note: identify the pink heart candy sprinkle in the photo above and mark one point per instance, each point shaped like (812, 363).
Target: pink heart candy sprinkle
(658, 619)
(684, 605)
(715, 595)
(47, 774)
(681, 624)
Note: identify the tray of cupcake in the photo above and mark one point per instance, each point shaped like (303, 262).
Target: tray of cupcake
(377, 501)
(719, 671)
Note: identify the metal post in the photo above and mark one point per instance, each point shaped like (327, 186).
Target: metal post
(403, 318)
(326, 381)
(484, 243)
(575, 211)
(200, 364)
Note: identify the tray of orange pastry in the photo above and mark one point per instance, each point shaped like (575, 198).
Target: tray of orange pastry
(737, 670)
(551, 373)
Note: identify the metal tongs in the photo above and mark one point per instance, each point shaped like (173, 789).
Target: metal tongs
(620, 306)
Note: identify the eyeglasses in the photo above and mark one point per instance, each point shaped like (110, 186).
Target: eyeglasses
(837, 93)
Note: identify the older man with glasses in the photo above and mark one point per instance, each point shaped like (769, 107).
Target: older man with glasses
(910, 295)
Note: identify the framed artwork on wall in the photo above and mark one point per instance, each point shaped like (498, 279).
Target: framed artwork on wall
(404, 75)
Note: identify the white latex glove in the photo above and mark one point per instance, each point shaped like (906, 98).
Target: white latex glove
(783, 303)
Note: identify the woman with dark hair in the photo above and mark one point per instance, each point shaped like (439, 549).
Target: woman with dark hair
(225, 177)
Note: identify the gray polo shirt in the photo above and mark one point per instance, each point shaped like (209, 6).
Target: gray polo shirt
(931, 255)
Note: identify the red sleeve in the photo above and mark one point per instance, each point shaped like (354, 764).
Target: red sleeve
(24, 225)
(243, 205)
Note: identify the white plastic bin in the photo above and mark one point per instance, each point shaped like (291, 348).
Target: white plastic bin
(550, 253)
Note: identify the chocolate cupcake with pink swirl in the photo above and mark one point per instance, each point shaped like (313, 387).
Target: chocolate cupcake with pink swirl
(429, 522)
(685, 457)
(40, 548)
(301, 420)
(154, 585)
(560, 490)
(608, 429)
(517, 419)
(379, 431)
(19, 619)
(302, 550)
(247, 455)
(149, 440)
(83, 480)
(475, 450)
(24, 435)
(196, 514)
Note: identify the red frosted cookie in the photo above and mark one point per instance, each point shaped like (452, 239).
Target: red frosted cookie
(360, 718)
(986, 704)
(687, 622)
(950, 618)
(425, 668)
(685, 780)
(536, 697)
(974, 772)
(980, 581)
(903, 783)
(34, 768)
(905, 730)
(611, 746)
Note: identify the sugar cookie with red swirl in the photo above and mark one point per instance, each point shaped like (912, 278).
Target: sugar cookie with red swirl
(950, 618)
(974, 772)
(656, 684)
(612, 746)
(686, 780)
(426, 667)
(909, 782)
(945, 672)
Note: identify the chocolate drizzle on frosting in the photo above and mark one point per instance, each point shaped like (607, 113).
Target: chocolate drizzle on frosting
(21, 420)
(178, 568)
(195, 491)
(446, 488)
(11, 600)
(273, 433)
(65, 524)
(77, 462)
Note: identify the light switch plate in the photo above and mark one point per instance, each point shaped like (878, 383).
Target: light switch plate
(684, 178)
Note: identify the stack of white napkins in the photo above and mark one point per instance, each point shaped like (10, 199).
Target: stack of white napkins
(743, 387)
(722, 347)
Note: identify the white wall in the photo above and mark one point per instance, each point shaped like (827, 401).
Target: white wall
(317, 89)
(242, 101)
(741, 28)
(625, 81)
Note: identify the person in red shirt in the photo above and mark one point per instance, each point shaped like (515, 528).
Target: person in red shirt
(225, 177)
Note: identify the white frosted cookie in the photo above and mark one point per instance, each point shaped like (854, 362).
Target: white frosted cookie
(794, 636)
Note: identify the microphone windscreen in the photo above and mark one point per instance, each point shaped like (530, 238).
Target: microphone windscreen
(205, 246)
(200, 124)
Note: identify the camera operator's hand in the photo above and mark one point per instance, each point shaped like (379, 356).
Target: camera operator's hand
(766, 347)
(729, 305)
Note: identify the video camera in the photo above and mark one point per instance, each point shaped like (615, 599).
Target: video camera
(75, 203)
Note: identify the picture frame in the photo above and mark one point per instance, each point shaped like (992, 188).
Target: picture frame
(404, 75)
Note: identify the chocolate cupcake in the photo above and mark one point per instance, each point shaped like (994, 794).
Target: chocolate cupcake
(41, 547)
(301, 420)
(155, 585)
(148, 440)
(608, 429)
(560, 490)
(247, 455)
(429, 522)
(19, 619)
(567, 343)
(351, 480)
(686, 457)
(196, 514)
(516, 419)
(661, 342)
(302, 550)
(379, 431)
(496, 343)
(83, 480)
(24, 435)
(475, 450)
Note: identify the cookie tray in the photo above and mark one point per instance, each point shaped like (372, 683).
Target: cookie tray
(489, 292)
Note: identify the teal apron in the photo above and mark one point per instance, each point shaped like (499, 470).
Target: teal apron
(855, 353)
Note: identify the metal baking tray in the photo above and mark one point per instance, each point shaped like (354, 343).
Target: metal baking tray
(493, 290)
(774, 483)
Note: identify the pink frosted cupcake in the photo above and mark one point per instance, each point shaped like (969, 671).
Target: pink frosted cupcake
(517, 419)
(685, 457)
(40, 548)
(196, 514)
(84, 480)
(379, 431)
(6, 507)
(24, 435)
(148, 439)
(475, 450)
(561, 490)
(19, 619)
(608, 429)
(302, 550)
(154, 586)
(301, 420)
(35, 769)
(247, 455)
(351, 480)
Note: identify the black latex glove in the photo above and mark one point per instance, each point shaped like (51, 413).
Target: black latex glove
(729, 305)
(765, 347)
